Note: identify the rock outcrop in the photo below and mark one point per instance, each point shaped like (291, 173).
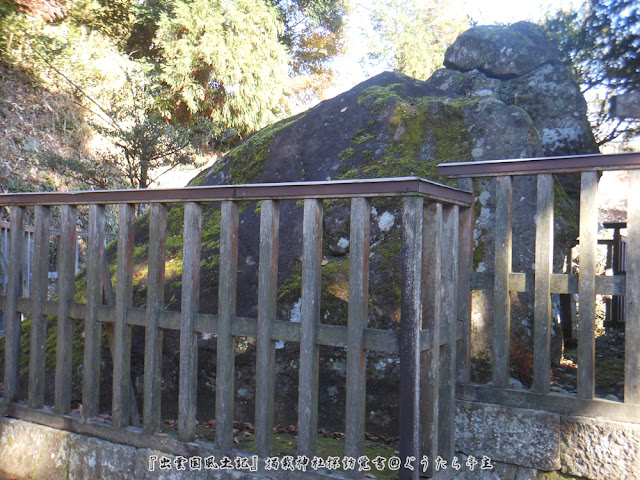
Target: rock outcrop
(503, 94)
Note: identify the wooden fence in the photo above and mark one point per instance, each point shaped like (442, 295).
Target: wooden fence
(436, 221)
(5, 228)
(544, 283)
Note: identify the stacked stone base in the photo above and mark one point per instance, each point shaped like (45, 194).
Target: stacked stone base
(522, 444)
(532, 442)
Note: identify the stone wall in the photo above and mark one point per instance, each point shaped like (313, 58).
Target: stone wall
(522, 444)
(534, 440)
(28, 450)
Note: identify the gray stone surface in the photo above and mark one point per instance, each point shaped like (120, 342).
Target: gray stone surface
(92, 458)
(528, 438)
(500, 52)
(33, 451)
(599, 449)
(527, 74)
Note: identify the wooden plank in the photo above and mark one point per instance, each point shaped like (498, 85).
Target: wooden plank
(155, 306)
(449, 282)
(358, 316)
(66, 289)
(310, 318)
(267, 311)
(410, 325)
(542, 165)
(501, 296)
(96, 258)
(542, 295)
(562, 404)
(122, 331)
(433, 298)
(13, 317)
(39, 290)
(560, 283)
(465, 268)
(586, 287)
(632, 297)
(370, 188)
(188, 382)
(227, 290)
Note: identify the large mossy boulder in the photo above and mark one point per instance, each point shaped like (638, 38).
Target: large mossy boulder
(503, 94)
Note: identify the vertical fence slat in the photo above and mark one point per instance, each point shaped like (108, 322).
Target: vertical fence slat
(358, 313)
(310, 317)
(225, 366)
(267, 309)
(188, 338)
(26, 268)
(410, 325)
(449, 275)
(39, 288)
(92, 329)
(13, 318)
(430, 359)
(67, 246)
(632, 294)
(501, 296)
(542, 295)
(587, 284)
(122, 331)
(465, 266)
(155, 305)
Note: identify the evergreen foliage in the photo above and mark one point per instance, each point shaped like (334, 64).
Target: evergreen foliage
(157, 78)
(412, 36)
(602, 42)
(223, 60)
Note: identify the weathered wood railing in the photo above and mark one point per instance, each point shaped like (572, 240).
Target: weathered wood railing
(5, 228)
(436, 226)
(544, 283)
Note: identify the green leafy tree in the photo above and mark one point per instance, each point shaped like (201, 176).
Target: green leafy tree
(222, 60)
(601, 41)
(314, 36)
(412, 36)
(310, 30)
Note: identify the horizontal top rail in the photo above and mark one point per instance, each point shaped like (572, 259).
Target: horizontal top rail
(384, 187)
(533, 166)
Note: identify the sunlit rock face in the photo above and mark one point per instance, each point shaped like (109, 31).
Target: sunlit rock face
(503, 94)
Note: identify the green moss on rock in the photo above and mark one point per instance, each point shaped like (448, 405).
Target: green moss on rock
(424, 132)
(377, 97)
(246, 161)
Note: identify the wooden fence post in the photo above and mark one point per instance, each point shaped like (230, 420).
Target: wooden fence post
(433, 249)
(225, 365)
(13, 318)
(410, 326)
(66, 285)
(155, 306)
(632, 295)
(122, 331)
(310, 317)
(449, 282)
(587, 284)
(92, 328)
(358, 312)
(188, 382)
(542, 293)
(267, 309)
(501, 295)
(465, 266)
(39, 289)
